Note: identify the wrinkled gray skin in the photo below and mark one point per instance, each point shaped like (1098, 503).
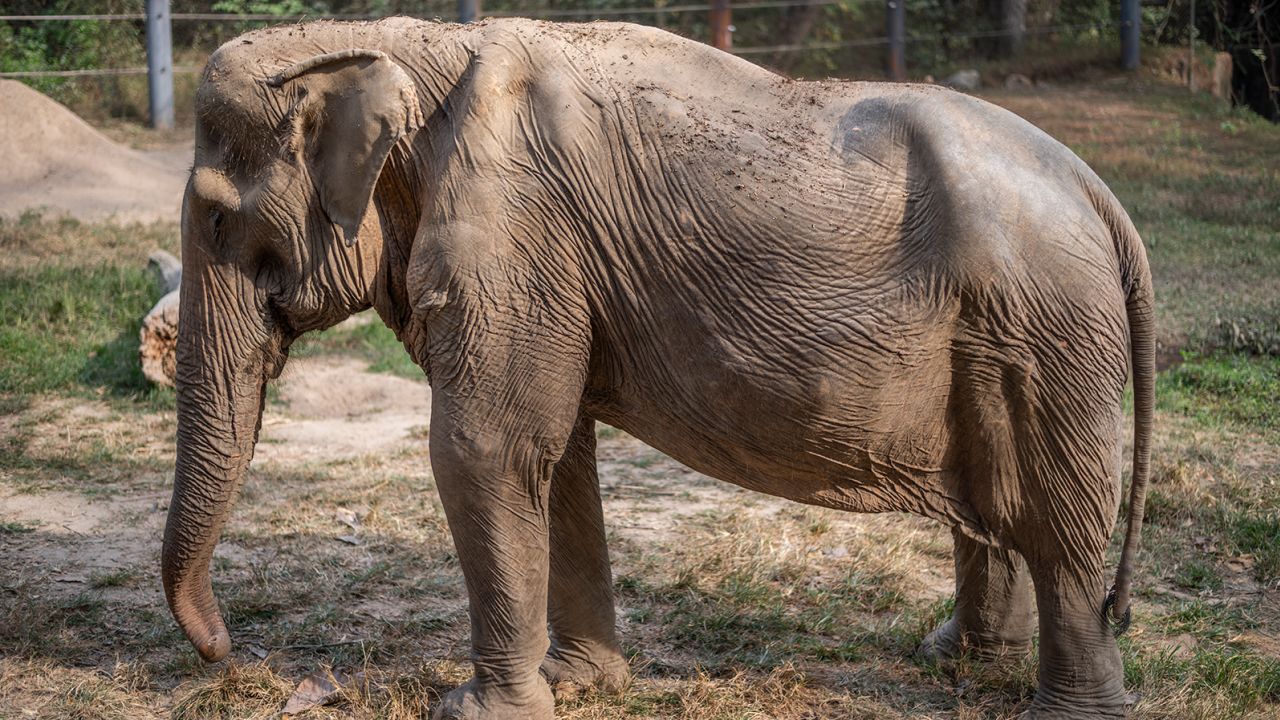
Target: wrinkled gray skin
(863, 296)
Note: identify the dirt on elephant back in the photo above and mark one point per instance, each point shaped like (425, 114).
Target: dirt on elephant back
(55, 161)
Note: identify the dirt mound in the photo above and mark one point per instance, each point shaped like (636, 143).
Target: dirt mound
(55, 160)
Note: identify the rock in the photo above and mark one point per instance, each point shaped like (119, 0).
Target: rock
(1017, 81)
(158, 341)
(169, 267)
(158, 338)
(964, 80)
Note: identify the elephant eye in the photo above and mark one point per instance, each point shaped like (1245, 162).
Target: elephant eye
(215, 220)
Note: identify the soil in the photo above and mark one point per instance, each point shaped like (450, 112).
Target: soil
(56, 161)
(330, 408)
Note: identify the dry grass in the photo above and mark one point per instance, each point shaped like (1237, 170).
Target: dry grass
(234, 692)
(45, 689)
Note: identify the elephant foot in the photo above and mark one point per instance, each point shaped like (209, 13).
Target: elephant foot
(474, 701)
(949, 642)
(1104, 700)
(1084, 710)
(569, 671)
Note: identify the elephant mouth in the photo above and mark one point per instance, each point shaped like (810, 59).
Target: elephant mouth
(276, 352)
(276, 361)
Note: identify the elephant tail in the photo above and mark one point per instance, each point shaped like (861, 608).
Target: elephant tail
(1140, 308)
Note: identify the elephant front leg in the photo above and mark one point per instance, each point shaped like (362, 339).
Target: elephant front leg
(494, 491)
(994, 615)
(584, 644)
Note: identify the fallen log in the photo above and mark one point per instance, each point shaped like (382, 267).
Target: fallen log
(158, 338)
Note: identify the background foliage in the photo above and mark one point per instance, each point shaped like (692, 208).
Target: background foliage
(942, 35)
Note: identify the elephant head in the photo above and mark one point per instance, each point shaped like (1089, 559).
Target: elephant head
(288, 155)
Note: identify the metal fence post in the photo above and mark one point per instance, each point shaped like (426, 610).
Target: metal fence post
(1130, 24)
(468, 10)
(895, 65)
(720, 35)
(160, 64)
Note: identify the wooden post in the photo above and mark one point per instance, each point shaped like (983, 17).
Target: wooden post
(468, 10)
(1191, 49)
(895, 65)
(720, 15)
(160, 64)
(1130, 24)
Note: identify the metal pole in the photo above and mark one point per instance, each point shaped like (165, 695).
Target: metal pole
(895, 65)
(1191, 49)
(720, 35)
(160, 64)
(468, 10)
(1130, 24)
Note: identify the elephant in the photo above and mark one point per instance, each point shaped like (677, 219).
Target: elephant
(866, 296)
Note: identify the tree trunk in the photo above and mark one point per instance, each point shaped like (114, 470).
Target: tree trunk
(1252, 35)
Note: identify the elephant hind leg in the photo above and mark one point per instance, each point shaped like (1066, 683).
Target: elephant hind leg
(994, 616)
(1081, 673)
(584, 644)
(1071, 478)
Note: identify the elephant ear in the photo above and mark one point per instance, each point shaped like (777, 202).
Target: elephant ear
(351, 109)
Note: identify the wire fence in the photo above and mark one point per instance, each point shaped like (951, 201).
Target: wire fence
(571, 13)
(142, 65)
(532, 13)
(95, 72)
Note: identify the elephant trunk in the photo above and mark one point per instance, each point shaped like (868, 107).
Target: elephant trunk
(223, 361)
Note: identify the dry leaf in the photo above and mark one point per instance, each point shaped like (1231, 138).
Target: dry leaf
(350, 539)
(315, 690)
(1240, 563)
(348, 517)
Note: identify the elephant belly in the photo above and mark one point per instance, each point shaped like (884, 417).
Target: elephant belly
(843, 432)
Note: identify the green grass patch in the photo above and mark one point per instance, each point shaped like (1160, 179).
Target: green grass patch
(1238, 681)
(73, 297)
(113, 578)
(1206, 620)
(1224, 390)
(73, 327)
(1197, 575)
(10, 527)
(371, 341)
(1258, 535)
(1247, 679)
